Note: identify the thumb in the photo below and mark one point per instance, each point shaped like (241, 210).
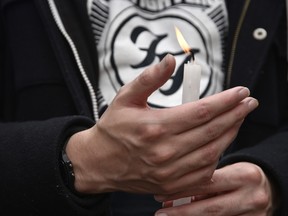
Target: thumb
(149, 81)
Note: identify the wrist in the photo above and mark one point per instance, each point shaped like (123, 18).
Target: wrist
(81, 151)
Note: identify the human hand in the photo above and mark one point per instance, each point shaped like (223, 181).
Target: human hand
(135, 148)
(237, 189)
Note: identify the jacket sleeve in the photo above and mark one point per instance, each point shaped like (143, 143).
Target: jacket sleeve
(32, 89)
(30, 180)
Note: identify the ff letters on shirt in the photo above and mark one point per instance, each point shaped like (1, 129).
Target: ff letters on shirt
(131, 35)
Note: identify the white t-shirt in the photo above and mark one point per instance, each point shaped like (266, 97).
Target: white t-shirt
(130, 35)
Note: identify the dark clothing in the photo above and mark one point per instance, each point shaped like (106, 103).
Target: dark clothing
(261, 65)
(44, 100)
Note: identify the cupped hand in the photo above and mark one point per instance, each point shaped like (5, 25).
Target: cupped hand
(136, 148)
(238, 189)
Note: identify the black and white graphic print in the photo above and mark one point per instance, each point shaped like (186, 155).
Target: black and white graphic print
(131, 35)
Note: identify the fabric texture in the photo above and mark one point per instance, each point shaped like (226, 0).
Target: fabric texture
(44, 100)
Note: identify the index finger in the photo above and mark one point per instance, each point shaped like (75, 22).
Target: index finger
(199, 112)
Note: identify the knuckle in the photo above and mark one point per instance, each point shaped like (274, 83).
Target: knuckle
(210, 154)
(191, 166)
(160, 176)
(146, 78)
(212, 131)
(260, 199)
(239, 114)
(253, 175)
(162, 155)
(203, 112)
(150, 132)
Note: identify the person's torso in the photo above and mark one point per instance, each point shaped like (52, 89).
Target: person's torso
(132, 35)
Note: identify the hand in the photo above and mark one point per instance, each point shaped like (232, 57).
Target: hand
(135, 148)
(237, 189)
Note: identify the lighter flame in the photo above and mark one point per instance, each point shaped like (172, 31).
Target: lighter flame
(184, 45)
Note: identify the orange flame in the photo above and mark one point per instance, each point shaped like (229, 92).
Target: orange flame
(182, 42)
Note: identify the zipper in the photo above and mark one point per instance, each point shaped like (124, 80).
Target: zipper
(235, 41)
(62, 29)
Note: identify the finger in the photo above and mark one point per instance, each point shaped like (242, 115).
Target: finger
(186, 166)
(193, 172)
(224, 205)
(192, 169)
(215, 129)
(147, 82)
(221, 181)
(208, 154)
(210, 140)
(195, 113)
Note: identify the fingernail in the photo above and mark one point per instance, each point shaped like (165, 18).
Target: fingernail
(244, 92)
(253, 103)
(161, 214)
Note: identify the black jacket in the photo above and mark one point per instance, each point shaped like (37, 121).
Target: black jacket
(44, 99)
